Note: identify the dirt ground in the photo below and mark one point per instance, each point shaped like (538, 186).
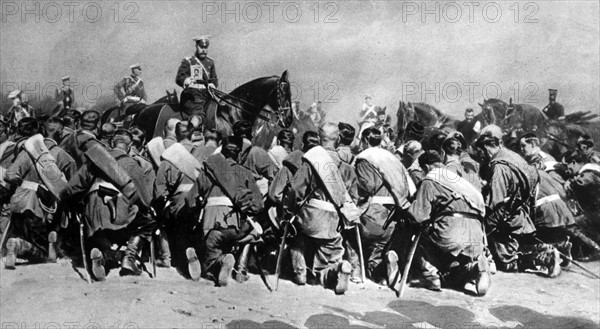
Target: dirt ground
(57, 296)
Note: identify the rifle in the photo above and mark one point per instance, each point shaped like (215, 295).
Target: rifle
(406, 271)
(360, 254)
(82, 244)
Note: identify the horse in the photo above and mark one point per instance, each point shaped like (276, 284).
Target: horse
(114, 113)
(512, 118)
(428, 115)
(264, 101)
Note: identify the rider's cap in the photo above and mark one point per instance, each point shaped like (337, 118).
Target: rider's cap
(135, 66)
(202, 40)
(14, 94)
(67, 78)
(27, 127)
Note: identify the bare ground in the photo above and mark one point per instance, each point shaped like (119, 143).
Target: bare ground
(57, 296)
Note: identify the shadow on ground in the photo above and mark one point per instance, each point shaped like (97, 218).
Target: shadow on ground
(418, 314)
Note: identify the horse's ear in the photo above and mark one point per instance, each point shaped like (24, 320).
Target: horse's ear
(168, 93)
(284, 76)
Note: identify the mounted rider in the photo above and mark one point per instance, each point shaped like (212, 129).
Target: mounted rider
(195, 74)
(130, 92)
(65, 93)
(554, 110)
(19, 110)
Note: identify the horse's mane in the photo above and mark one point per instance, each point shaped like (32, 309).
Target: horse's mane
(244, 87)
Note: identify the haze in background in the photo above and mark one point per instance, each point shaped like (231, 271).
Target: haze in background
(338, 53)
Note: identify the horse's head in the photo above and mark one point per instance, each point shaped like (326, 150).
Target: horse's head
(283, 109)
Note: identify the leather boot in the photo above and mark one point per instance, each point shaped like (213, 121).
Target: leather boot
(129, 264)
(584, 241)
(164, 251)
(546, 256)
(299, 266)
(479, 274)
(13, 246)
(225, 263)
(392, 267)
(343, 272)
(52, 247)
(194, 267)
(241, 274)
(98, 264)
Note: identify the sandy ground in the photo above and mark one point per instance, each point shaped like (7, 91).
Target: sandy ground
(57, 296)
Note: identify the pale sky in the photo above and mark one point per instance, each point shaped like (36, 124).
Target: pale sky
(337, 52)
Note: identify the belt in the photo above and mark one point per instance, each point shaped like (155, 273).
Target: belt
(197, 86)
(383, 200)
(323, 205)
(214, 201)
(184, 187)
(460, 215)
(29, 185)
(547, 199)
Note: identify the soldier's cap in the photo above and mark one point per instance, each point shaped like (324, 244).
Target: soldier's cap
(27, 127)
(202, 40)
(67, 78)
(242, 128)
(14, 94)
(553, 91)
(237, 141)
(90, 119)
(415, 128)
(493, 131)
(458, 136)
(135, 66)
(346, 130)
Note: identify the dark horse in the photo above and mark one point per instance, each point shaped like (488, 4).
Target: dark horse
(429, 116)
(512, 118)
(264, 101)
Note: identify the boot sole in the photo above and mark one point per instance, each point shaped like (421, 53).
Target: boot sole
(193, 264)
(52, 238)
(392, 267)
(98, 264)
(226, 269)
(343, 277)
(483, 280)
(11, 257)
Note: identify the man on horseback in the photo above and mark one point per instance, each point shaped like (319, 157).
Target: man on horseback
(554, 110)
(19, 110)
(195, 97)
(65, 94)
(130, 92)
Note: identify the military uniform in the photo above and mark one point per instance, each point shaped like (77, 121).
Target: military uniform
(65, 94)
(374, 191)
(16, 113)
(540, 159)
(257, 160)
(454, 243)
(345, 154)
(510, 195)
(131, 86)
(319, 244)
(131, 222)
(195, 97)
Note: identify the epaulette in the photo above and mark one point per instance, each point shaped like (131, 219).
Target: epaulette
(189, 58)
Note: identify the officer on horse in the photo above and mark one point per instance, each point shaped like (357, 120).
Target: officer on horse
(196, 75)
(130, 92)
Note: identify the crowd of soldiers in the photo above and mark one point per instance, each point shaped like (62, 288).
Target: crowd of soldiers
(352, 208)
(341, 208)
